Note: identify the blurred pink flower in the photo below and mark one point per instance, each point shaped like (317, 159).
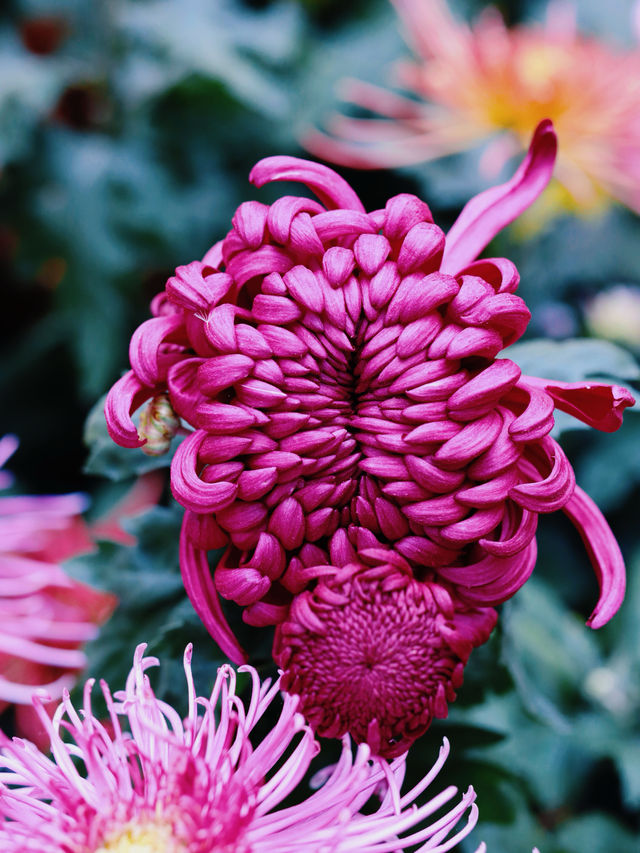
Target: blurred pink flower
(490, 82)
(45, 616)
(149, 780)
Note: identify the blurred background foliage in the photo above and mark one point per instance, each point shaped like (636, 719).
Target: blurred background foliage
(127, 131)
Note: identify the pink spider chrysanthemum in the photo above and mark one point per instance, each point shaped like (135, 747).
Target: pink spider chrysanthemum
(147, 780)
(339, 373)
(46, 617)
(487, 81)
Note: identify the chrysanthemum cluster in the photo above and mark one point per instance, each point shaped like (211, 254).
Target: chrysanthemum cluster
(357, 444)
(148, 780)
(490, 82)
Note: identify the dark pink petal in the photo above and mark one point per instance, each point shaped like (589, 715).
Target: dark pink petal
(242, 585)
(536, 420)
(502, 578)
(283, 212)
(147, 359)
(488, 213)
(199, 586)
(192, 289)
(595, 403)
(402, 212)
(249, 221)
(371, 251)
(422, 247)
(305, 288)
(189, 489)
(604, 553)
(127, 395)
(485, 388)
(522, 532)
(221, 371)
(552, 492)
(332, 190)
(338, 264)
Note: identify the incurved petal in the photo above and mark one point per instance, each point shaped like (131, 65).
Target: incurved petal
(145, 350)
(127, 395)
(604, 554)
(332, 190)
(188, 489)
(554, 490)
(489, 212)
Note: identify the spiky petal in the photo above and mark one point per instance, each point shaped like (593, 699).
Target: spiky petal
(149, 780)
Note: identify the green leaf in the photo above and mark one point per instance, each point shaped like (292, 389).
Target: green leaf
(574, 360)
(548, 652)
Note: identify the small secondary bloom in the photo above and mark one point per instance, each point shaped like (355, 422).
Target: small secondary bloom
(374, 652)
(475, 82)
(45, 616)
(148, 780)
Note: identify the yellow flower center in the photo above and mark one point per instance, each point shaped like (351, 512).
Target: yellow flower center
(142, 838)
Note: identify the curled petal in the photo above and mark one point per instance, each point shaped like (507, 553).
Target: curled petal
(243, 585)
(516, 573)
(594, 403)
(488, 213)
(199, 586)
(536, 420)
(127, 395)
(332, 190)
(552, 492)
(604, 554)
(145, 353)
(189, 489)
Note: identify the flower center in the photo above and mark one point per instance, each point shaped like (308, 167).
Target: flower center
(150, 837)
(372, 652)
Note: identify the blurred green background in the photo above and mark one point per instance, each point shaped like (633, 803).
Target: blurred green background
(127, 131)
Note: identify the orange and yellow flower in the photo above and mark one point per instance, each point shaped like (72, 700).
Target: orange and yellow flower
(490, 82)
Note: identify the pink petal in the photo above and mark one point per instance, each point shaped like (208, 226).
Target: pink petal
(127, 395)
(488, 213)
(594, 403)
(332, 190)
(198, 583)
(604, 554)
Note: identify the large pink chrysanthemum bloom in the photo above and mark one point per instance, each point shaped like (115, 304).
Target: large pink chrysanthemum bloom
(472, 84)
(352, 427)
(147, 780)
(45, 616)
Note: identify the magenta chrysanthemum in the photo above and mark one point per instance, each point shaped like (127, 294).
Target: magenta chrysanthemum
(339, 372)
(374, 652)
(148, 780)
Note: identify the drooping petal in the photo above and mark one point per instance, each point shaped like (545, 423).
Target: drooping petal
(200, 588)
(604, 553)
(490, 211)
(597, 404)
